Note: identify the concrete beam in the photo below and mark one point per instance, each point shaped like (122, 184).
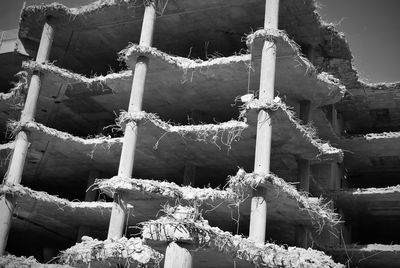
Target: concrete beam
(90, 196)
(17, 162)
(189, 174)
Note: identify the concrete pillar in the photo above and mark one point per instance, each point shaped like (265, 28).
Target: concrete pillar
(303, 169)
(189, 174)
(328, 176)
(301, 232)
(90, 196)
(17, 162)
(49, 254)
(119, 210)
(177, 257)
(301, 236)
(305, 111)
(335, 119)
(258, 214)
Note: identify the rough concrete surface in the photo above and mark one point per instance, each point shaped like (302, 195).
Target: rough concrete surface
(123, 252)
(10, 261)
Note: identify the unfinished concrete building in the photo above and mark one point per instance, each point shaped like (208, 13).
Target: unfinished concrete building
(194, 134)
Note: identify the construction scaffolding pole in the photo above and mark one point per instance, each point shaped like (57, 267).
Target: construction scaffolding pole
(119, 210)
(258, 216)
(21, 143)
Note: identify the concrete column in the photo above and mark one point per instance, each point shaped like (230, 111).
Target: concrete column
(301, 236)
(328, 176)
(189, 174)
(303, 168)
(49, 254)
(301, 232)
(258, 214)
(90, 196)
(177, 257)
(305, 111)
(17, 162)
(119, 210)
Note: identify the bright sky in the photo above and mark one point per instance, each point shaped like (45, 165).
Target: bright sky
(372, 28)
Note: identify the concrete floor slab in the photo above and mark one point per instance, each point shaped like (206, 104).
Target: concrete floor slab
(369, 201)
(10, 261)
(285, 203)
(89, 37)
(57, 158)
(48, 214)
(122, 252)
(372, 152)
(371, 108)
(198, 233)
(176, 87)
(368, 256)
(54, 214)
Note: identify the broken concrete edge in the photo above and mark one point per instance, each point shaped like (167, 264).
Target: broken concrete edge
(308, 131)
(368, 191)
(319, 209)
(123, 250)
(16, 126)
(332, 82)
(383, 135)
(132, 51)
(19, 191)
(202, 132)
(238, 189)
(200, 234)
(371, 248)
(11, 261)
(381, 86)
(163, 189)
(60, 12)
(370, 137)
(69, 77)
(366, 254)
(17, 93)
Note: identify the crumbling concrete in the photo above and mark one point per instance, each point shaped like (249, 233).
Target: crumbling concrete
(215, 146)
(126, 252)
(199, 234)
(368, 256)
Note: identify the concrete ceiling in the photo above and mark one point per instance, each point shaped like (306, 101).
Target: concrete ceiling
(208, 27)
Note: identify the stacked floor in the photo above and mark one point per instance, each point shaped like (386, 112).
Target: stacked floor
(196, 140)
